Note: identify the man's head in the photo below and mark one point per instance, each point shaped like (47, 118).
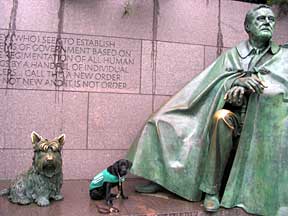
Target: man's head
(260, 22)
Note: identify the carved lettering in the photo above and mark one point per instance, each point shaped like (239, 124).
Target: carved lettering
(82, 63)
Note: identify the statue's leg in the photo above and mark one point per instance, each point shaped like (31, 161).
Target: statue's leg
(225, 124)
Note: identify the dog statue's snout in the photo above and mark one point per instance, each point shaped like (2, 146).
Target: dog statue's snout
(49, 157)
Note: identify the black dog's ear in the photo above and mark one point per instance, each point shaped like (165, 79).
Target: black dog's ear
(129, 164)
(115, 168)
(111, 169)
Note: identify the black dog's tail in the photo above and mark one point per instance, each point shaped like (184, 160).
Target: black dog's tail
(4, 192)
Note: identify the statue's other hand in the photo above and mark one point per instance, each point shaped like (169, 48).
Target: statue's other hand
(235, 95)
(251, 84)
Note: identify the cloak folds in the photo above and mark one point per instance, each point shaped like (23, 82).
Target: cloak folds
(258, 181)
(172, 147)
(174, 141)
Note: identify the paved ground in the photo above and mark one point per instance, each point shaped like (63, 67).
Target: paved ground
(77, 203)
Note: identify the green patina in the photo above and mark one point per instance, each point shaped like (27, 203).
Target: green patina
(173, 146)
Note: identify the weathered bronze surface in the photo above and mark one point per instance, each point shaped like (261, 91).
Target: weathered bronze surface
(236, 107)
(43, 181)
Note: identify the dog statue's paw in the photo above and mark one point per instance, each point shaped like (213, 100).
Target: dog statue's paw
(58, 197)
(42, 201)
(22, 201)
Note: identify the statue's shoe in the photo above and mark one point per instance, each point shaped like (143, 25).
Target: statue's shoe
(211, 203)
(283, 211)
(151, 187)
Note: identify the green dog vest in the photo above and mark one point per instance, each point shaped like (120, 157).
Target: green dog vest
(102, 177)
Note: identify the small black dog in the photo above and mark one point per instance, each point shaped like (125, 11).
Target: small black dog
(101, 185)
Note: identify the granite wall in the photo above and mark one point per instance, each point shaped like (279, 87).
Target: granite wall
(84, 68)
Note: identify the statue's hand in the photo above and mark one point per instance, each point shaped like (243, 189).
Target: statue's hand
(251, 84)
(235, 95)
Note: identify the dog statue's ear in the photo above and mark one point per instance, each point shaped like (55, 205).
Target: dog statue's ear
(61, 140)
(35, 138)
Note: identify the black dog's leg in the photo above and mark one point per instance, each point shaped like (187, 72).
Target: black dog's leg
(113, 195)
(120, 188)
(108, 197)
(97, 194)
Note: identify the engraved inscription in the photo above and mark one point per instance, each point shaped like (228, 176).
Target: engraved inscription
(89, 63)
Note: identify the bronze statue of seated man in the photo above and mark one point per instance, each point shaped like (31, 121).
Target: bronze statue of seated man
(232, 118)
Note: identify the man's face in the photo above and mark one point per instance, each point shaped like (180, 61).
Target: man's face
(262, 23)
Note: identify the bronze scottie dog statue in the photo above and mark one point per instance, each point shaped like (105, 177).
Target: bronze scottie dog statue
(43, 180)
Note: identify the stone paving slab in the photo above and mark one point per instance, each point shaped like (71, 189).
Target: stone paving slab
(77, 202)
